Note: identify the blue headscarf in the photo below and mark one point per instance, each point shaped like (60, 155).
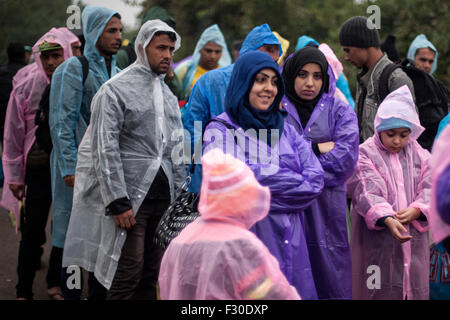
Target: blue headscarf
(237, 104)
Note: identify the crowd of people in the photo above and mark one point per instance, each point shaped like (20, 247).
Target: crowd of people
(303, 189)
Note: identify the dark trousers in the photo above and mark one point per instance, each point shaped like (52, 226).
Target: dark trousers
(33, 222)
(138, 268)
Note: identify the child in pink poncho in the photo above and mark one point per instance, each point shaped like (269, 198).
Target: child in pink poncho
(390, 206)
(216, 256)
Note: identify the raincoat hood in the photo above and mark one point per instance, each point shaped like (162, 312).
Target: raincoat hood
(333, 61)
(71, 37)
(94, 20)
(210, 34)
(284, 45)
(419, 42)
(398, 104)
(258, 37)
(304, 41)
(146, 34)
(230, 191)
(53, 36)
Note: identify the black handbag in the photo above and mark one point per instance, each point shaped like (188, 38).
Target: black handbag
(183, 210)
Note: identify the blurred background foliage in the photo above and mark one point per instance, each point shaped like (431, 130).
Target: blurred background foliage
(27, 20)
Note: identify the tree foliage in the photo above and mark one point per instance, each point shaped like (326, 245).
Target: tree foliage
(320, 19)
(27, 20)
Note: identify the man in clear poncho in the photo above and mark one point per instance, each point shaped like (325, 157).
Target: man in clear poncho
(129, 164)
(226, 260)
(70, 111)
(210, 52)
(208, 94)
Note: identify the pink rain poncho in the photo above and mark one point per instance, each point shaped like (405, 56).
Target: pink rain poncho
(440, 161)
(383, 183)
(216, 256)
(19, 134)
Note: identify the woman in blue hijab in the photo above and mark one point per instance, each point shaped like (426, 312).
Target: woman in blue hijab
(253, 129)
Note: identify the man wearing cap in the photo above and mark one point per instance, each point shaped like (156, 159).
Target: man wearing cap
(27, 166)
(128, 171)
(361, 43)
(70, 99)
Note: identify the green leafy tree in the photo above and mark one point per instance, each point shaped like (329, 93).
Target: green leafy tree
(27, 20)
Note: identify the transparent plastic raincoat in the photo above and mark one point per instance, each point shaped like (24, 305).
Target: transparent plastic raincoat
(290, 169)
(187, 69)
(208, 96)
(382, 184)
(135, 128)
(70, 114)
(20, 128)
(216, 256)
(325, 220)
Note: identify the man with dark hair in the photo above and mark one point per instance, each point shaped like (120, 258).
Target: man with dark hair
(72, 90)
(127, 55)
(361, 43)
(128, 171)
(27, 165)
(16, 60)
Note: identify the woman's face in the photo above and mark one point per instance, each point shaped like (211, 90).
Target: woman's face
(308, 81)
(264, 90)
(395, 139)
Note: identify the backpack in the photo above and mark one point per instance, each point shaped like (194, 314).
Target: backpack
(432, 98)
(43, 137)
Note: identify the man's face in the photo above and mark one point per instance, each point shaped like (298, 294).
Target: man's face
(111, 38)
(159, 53)
(76, 49)
(272, 49)
(424, 59)
(51, 60)
(210, 55)
(356, 56)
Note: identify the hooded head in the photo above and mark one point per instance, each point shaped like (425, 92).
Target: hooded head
(259, 36)
(306, 76)
(421, 42)
(146, 34)
(230, 191)
(73, 40)
(49, 42)
(210, 34)
(398, 111)
(94, 20)
(238, 104)
(304, 41)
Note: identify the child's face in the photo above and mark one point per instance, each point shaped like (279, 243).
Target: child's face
(395, 139)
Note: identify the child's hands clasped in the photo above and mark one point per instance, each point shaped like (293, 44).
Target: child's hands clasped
(397, 229)
(407, 215)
